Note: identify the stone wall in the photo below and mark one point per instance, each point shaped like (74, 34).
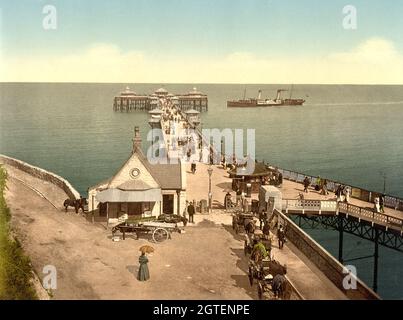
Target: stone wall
(323, 260)
(43, 175)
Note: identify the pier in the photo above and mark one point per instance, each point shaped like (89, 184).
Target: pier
(356, 217)
(129, 100)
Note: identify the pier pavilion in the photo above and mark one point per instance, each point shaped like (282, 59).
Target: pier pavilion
(129, 100)
(140, 188)
(260, 176)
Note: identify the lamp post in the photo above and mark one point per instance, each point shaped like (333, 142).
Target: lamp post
(210, 172)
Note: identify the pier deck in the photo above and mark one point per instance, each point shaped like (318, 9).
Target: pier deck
(306, 278)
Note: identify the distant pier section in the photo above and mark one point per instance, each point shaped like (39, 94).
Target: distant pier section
(129, 100)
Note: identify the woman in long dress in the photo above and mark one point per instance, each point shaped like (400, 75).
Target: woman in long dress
(377, 206)
(143, 274)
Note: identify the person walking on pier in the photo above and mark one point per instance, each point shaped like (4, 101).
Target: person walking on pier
(376, 205)
(188, 154)
(185, 211)
(191, 212)
(382, 203)
(262, 218)
(338, 193)
(347, 193)
(324, 188)
(193, 167)
(281, 237)
(238, 196)
(307, 182)
(318, 184)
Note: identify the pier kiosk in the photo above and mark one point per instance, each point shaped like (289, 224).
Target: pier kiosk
(139, 188)
(240, 180)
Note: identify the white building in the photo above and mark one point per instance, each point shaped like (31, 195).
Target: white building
(140, 188)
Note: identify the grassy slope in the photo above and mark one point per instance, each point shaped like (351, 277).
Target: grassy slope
(15, 267)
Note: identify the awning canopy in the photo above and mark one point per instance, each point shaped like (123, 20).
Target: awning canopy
(116, 195)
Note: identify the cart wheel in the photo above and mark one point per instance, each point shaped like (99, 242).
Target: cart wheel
(250, 276)
(260, 291)
(160, 235)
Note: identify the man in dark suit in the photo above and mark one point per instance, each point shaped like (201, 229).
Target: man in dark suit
(191, 212)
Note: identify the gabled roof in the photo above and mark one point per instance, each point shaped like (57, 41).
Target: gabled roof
(168, 176)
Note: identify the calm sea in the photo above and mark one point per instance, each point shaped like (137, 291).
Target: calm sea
(348, 133)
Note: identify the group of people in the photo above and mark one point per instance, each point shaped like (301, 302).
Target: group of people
(379, 204)
(343, 193)
(275, 178)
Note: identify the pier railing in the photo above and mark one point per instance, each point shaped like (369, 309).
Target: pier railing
(356, 192)
(326, 206)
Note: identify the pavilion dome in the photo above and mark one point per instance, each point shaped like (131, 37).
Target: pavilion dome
(128, 92)
(161, 91)
(195, 92)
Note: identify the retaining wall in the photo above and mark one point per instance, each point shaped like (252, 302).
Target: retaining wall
(323, 260)
(43, 175)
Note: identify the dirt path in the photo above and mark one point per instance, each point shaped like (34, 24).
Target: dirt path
(207, 262)
(203, 263)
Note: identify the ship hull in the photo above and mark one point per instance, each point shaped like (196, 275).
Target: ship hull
(253, 104)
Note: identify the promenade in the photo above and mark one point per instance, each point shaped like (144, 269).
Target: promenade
(306, 278)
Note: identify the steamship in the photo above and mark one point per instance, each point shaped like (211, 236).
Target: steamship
(259, 102)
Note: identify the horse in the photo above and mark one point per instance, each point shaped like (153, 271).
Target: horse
(275, 268)
(279, 286)
(76, 203)
(249, 226)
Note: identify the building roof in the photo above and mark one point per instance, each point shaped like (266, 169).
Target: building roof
(161, 90)
(259, 170)
(128, 92)
(165, 176)
(168, 176)
(195, 92)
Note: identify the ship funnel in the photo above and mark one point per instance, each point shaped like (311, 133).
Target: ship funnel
(259, 95)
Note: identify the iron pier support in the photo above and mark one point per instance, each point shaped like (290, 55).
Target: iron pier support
(376, 256)
(341, 239)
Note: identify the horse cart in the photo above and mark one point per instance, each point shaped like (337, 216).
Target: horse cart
(270, 277)
(160, 231)
(243, 222)
(277, 287)
(252, 239)
(262, 269)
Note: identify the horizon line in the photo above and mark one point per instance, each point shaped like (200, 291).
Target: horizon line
(202, 83)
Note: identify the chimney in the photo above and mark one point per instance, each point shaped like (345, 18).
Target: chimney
(136, 139)
(260, 95)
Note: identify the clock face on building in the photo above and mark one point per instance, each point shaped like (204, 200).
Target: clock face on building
(134, 173)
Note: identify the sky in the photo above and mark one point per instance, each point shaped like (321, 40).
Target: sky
(201, 41)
